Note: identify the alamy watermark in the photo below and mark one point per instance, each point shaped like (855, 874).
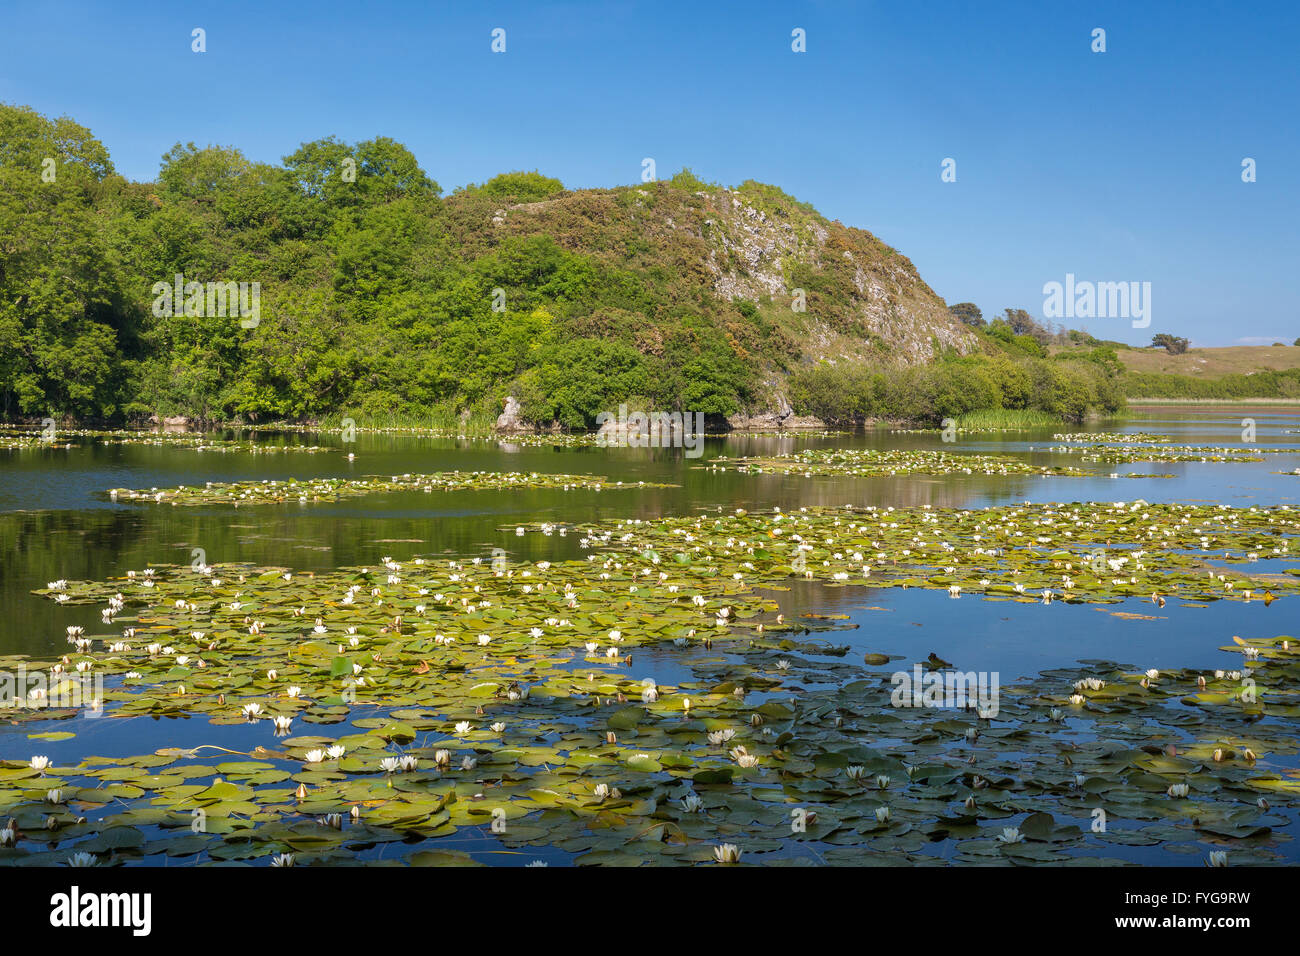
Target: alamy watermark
(1074, 299)
(651, 430)
(946, 689)
(40, 690)
(242, 300)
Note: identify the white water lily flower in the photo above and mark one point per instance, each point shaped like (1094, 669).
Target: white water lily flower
(882, 814)
(283, 859)
(468, 763)
(390, 765)
(727, 853)
(464, 727)
(1011, 835)
(409, 762)
(251, 711)
(82, 858)
(855, 772)
(1218, 858)
(498, 727)
(314, 756)
(601, 791)
(39, 763)
(1178, 790)
(692, 803)
(293, 691)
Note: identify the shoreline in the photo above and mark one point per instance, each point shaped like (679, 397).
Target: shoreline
(1211, 402)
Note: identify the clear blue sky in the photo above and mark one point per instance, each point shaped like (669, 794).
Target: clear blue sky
(1115, 166)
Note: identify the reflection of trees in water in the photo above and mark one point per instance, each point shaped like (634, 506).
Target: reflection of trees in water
(791, 492)
(816, 597)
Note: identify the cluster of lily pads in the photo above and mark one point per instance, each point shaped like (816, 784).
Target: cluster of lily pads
(595, 439)
(422, 710)
(198, 441)
(272, 491)
(29, 440)
(1113, 438)
(870, 462)
(1172, 453)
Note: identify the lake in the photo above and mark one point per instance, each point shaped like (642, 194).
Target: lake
(56, 522)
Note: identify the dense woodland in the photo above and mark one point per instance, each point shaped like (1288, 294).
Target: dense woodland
(376, 294)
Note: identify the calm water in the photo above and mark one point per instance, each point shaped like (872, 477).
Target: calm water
(56, 522)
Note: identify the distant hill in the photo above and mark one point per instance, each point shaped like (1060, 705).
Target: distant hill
(1213, 362)
(1238, 372)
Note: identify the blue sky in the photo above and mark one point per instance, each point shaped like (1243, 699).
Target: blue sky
(1115, 166)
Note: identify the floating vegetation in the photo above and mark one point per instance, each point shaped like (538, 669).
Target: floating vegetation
(197, 441)
(429, 708)
(16, 441)
(594, 439)
(1173, 453)
(270, 491)
(1113, 438)
(1042, 553)
(869, 462)
(204, 443)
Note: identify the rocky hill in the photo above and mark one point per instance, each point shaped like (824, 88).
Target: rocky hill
(376, 295)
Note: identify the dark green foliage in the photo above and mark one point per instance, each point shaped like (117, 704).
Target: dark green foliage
(968, 313)
(519, 187)
(1265, 384)
(1065, 389)
(1173, 344)
(378, 297)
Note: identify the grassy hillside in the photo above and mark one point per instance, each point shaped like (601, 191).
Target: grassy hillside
(1236, 373)
(379, 295)
(1212, 362)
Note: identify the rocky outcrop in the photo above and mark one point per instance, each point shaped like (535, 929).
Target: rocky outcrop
(511, 418)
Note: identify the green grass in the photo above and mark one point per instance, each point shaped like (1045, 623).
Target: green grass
(1006, 419)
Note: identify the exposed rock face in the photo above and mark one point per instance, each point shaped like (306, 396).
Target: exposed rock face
(772, 421)
(837, 293)
(177, 422)
(510, 419)
(755, 255)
